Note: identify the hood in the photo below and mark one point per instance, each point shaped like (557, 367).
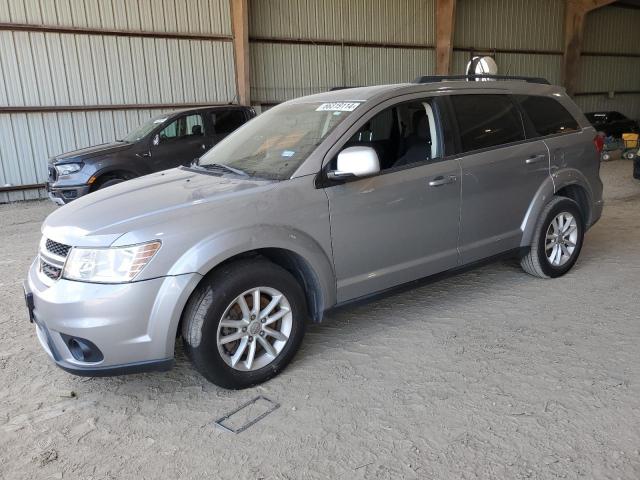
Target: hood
(101, 217)
(90, 152)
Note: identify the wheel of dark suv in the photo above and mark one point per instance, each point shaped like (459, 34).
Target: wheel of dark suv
(244, 323)
(557, 240)
(109, 182)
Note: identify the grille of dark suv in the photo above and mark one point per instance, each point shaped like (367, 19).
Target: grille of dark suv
(49, 270)
(57, 248)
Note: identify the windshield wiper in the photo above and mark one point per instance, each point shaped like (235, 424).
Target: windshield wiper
(221, 166)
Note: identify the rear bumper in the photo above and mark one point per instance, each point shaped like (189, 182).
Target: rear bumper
(132, 325)
(596, 212)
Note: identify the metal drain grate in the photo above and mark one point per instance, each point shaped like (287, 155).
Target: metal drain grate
(247, 414)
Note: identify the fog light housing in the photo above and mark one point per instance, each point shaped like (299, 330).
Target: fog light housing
(69, 193)
(83, 350)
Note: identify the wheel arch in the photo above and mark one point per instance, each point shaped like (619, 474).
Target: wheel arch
(293, 262)
(111, 172)
(569, 183)
(297, 266)
(294, 251)
(578, 194)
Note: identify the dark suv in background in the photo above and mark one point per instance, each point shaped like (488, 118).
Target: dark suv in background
(613, 124)
(165, 141)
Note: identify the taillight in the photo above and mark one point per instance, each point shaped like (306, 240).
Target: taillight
(598, 141)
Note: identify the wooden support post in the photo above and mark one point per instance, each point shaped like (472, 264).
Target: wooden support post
(445, 24)
(240, 28)
(575, 14)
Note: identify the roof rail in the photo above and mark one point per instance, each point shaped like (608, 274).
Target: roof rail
(441, 78)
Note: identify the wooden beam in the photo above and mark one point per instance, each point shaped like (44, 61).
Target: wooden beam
(594, 4)
(445, 24)
(240, 27)
(99, 108)
(28, 27)
(574, 18)
(17, 188)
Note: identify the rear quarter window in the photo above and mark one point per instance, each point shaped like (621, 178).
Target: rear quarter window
(547, 115)
(487, 121)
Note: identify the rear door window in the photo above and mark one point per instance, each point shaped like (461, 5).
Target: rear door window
(227, 121)
(486, 121)
(547, 115)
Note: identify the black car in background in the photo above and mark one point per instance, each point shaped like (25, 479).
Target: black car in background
(613, 124)
(165, 141)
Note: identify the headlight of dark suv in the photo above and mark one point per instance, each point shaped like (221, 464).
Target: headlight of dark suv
(68, 168)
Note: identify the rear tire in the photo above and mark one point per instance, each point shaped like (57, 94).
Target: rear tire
(230, 342)
(556, 246)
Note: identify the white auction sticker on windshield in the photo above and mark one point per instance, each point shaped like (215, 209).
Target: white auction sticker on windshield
(338, 107)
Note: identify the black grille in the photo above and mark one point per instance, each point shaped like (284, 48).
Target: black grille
(57, 248)
(49, 270)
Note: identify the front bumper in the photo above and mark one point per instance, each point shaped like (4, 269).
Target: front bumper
(132, 324)
(63, 195)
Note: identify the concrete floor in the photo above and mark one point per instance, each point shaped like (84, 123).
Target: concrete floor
(489, 374)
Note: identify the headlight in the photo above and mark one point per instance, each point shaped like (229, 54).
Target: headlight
(109, 265)
(68, 168)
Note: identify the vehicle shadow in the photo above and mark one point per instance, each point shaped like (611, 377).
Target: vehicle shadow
(440, 299)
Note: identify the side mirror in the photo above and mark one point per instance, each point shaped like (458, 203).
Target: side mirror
(356, 162)
(156, 140)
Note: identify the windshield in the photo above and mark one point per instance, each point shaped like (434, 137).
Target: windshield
(276, 143)
(145, 129)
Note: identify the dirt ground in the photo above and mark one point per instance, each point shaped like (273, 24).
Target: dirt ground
(489, 374)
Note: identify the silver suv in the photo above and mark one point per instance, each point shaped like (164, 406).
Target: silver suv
(318, 202)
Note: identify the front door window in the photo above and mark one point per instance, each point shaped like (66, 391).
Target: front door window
(183, 128)
(402, 135)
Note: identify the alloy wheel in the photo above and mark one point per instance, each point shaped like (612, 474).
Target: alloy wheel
(254, 329)
(561, 239)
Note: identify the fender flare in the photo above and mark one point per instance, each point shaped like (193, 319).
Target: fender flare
(116, 168)
(228, 244)
(557, 181)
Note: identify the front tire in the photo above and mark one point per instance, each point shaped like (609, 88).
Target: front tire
(557, 240)
(110, 182)
(244, 323)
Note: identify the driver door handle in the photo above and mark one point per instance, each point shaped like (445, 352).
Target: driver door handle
(143, 154)
(439, 181)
